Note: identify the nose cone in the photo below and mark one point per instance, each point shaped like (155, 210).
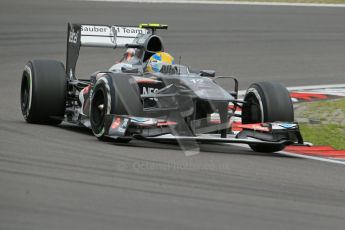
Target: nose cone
(206, 89)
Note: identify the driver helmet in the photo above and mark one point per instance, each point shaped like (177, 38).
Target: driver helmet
(157, 60)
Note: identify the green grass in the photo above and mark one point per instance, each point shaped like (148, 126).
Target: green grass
(324, 106)
(327, 112)
(324, 134)
(331, 116)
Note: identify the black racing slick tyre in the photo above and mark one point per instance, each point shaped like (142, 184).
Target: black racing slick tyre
(113, 94)
(267, 102)
(43, 92)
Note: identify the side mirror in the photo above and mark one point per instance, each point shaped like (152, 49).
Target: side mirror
(207, 73)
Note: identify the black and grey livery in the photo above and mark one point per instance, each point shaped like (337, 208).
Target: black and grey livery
(176, 104)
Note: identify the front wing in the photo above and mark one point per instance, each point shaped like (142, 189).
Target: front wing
(152, 129)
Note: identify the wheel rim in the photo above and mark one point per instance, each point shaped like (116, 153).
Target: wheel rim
(25, 95)
(253, 109)
(98, 110)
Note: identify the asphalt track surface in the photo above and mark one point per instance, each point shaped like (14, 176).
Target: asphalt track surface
(63, 178)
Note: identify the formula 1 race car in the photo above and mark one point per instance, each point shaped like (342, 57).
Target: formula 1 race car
(174, 104)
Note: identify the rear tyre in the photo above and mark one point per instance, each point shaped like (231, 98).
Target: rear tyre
(43, 92)
(267, 102)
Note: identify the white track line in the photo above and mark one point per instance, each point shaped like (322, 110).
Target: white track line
(316, 87)
(224, 3)
(311, 157)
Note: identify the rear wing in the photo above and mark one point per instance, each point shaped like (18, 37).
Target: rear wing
(107, 36)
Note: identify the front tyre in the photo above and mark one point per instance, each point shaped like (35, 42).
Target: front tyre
(43, 92)
(105, 101)
(267, 102)
(102, 100)
(114, 94)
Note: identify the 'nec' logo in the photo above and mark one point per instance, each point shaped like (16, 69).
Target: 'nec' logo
(73, 37)
(150, 90)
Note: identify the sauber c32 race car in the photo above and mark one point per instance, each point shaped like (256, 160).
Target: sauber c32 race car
(175, 104)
